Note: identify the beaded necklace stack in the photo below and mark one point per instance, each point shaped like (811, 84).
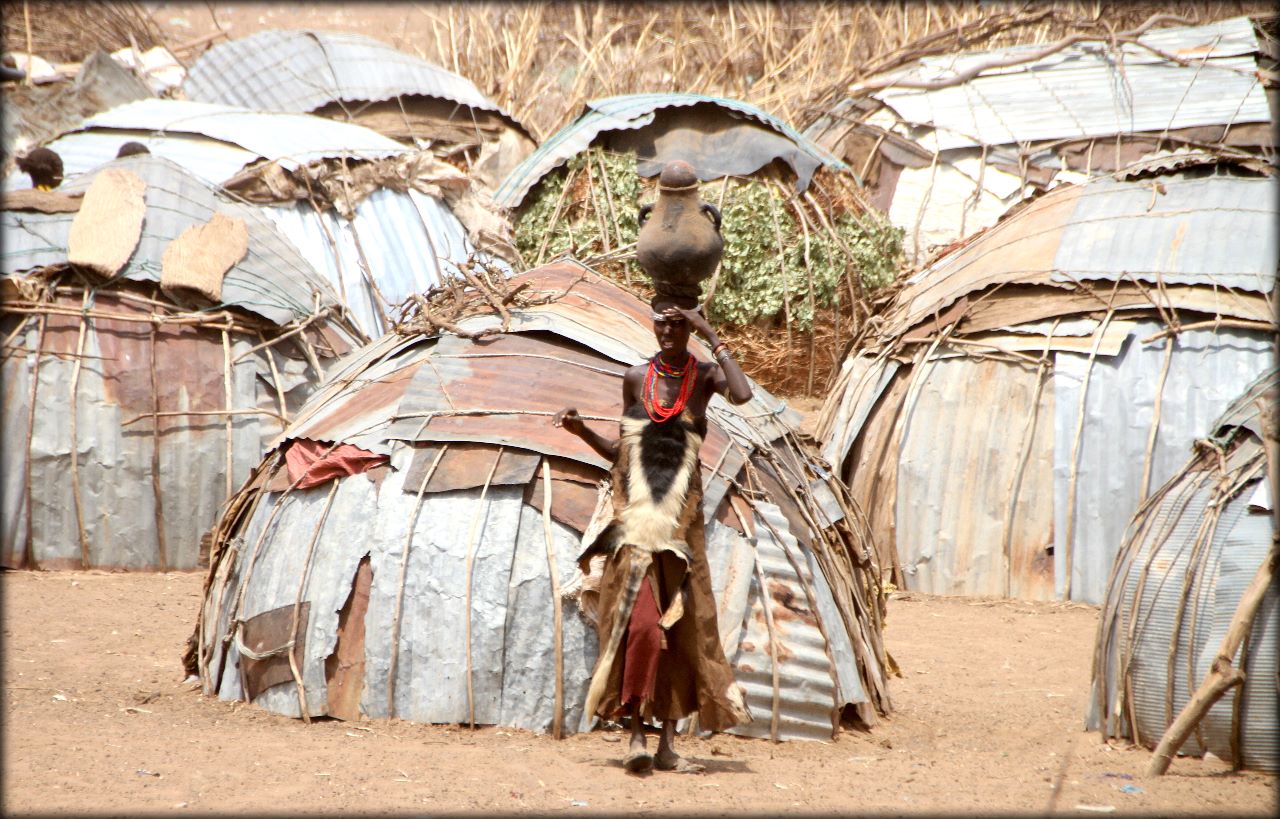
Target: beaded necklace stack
(659, 412)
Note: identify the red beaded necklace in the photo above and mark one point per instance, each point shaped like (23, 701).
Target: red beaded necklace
(657, 368)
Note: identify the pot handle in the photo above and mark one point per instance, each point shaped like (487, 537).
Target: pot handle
(645, 210)
(713, 212)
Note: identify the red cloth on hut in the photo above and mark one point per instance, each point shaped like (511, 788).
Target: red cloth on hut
(308, 459)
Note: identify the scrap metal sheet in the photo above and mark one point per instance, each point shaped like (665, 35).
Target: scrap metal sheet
(959, 455)
(633, 111)
(1206, 373)
(1088, 90)
(272, 280)
(283, 70)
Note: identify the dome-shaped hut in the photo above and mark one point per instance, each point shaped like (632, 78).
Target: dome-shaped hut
(1030, 388)
(802, 249)
(157, 335)
(1187, 575)
(355, 78)
(378, 219)
(408, 547)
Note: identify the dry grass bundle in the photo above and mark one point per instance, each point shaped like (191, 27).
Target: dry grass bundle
(543, 61)
(70, 32)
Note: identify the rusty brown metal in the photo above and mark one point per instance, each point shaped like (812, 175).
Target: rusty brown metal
(344, 668)
(465, 465)
(266, 634)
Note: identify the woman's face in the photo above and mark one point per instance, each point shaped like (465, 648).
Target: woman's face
(671, 330)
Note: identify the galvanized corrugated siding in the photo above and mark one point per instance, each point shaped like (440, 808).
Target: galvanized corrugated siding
(1124, 229)
(960, 453)
(408, 241)
(512, 616)
(115, 461)
(1243, 551)
(629, 112)
(862, 380)
(1206, 373)
(1219, 570)
(281, 70)
(1085, 91)
(807, 702)
(272, 280)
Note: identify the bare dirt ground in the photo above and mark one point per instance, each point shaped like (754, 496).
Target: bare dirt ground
(990, 712)
(989, 719)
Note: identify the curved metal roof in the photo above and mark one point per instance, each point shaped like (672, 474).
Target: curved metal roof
(288, 70)
(272, 280)
(629, 112)
(1091, 89)
(1214, 231)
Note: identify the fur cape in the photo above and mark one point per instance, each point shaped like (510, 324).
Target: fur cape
(656, 536)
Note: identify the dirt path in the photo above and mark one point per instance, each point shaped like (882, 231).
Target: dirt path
(98, 718)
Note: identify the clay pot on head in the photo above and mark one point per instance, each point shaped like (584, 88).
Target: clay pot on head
(680, 242)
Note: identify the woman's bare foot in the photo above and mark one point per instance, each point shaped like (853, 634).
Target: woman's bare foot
(671, 761)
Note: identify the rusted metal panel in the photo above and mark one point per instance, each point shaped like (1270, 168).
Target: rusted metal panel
(788, 635)
(962, 497)
(510, 376)
(119, 483)
(266, 634)
(351, 406)
(572, 503)
(464, 465)
(478, 559)
(344, 668)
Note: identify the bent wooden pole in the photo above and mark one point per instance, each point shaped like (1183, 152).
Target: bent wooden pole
(1222, 675)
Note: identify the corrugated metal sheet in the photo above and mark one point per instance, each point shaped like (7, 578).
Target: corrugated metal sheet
(629, 112)
(1149, 619)
(115, 468)
(1121, 228)
(1206, 373)
(963, 527)
(272, 280)
(809, 700)
(280, 70)
(1116, 230)
(1087, 90)
(511, 611)
(407, 241)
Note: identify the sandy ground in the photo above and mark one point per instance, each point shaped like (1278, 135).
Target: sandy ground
(989, 715)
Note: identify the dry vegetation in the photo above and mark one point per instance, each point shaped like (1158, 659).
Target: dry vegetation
(543, 61)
